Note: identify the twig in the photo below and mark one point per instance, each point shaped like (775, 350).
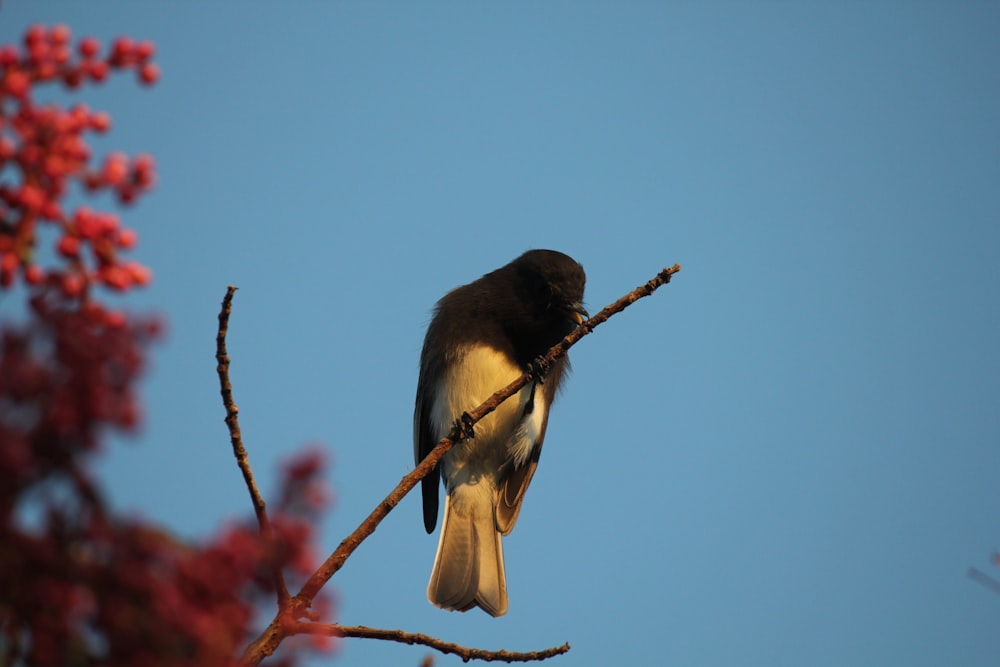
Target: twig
(465, 653)
(986, 580)
(236, 438)
(272, 636)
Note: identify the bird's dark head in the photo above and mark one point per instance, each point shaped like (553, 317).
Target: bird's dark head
(551, 285)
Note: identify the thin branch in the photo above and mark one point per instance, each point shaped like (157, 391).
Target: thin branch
(465, 653)
(986, 580)
(236, 438)
(269, 640)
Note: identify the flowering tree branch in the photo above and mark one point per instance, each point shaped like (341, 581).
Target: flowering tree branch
(286, 620)
(81, 584)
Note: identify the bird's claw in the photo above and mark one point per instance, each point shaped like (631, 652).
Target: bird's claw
(465, 425)
(538, 369)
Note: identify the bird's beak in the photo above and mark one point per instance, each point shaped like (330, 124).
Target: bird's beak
(578, 313)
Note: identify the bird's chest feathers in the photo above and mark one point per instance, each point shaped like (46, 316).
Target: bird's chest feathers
(508, 433)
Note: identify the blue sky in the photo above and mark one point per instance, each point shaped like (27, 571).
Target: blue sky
(788, 456)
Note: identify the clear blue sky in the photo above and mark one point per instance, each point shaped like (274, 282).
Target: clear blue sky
(789, 456)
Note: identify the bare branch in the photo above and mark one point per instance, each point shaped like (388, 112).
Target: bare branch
(986, 580)
(271, 637)
(466, 654)
(236, 438)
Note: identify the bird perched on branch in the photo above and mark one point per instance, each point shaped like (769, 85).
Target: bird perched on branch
(482, 337)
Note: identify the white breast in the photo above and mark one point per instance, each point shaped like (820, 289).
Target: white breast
(502, 435)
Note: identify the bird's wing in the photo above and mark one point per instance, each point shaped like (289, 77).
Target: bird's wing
(512, 488)
(423, 442)
(514, 480)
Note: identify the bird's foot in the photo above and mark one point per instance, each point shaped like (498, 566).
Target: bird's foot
(465, 424)
(538, 369)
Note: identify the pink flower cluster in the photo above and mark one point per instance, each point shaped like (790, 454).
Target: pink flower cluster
(45, 145)
(79, 584)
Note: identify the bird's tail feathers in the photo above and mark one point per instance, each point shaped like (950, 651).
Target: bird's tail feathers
(468, 568)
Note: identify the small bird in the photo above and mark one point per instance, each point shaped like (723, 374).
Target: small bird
(482, 337)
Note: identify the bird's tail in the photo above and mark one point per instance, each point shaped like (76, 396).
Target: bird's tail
(468, 568)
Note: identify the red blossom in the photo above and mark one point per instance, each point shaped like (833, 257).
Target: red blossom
(127, 238)
(80, 585)
(149, 73)
(47, 149)
(69, 246)
(88, 48)
(100, 121)
(34, 274)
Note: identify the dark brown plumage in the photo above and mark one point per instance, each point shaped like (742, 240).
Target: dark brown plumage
(481, 338)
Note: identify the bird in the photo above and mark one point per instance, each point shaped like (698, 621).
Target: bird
(482, 337)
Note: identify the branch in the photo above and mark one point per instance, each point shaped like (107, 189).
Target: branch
(269, 640)
(236, 438)
(466, 654)
(346, 548)
(986, 580)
